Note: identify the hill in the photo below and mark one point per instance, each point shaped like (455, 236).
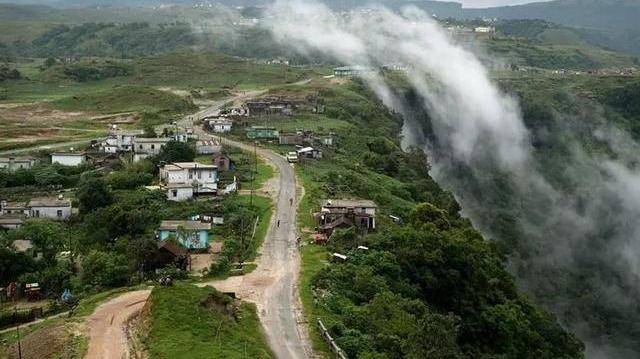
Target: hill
(609, 23)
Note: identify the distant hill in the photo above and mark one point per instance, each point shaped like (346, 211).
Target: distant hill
(614, 24)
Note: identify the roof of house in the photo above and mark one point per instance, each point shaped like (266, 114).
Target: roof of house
(152, 139)
(189, 225)
(346, 203)
(175, 166)
(50, 202)
(306, 149)
(15, 205)
(68, 154)
(172, 248)
(207, 143)
(17, 159)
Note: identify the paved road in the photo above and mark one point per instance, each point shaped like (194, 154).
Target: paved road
(273, 285)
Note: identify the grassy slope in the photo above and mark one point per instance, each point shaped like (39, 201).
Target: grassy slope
(181, 327)
(125, 99)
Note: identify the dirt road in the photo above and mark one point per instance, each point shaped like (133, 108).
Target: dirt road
(106, 326)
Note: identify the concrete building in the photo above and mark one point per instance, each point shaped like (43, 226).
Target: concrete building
(191, 234)
(69, 158)
(15, 163)
(13, 208)
(219, 125)
(147, 147)
(177, 178)
(57, 208)
(119, 141)
(208, 147)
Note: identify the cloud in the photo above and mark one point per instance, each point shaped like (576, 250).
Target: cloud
(477, 125)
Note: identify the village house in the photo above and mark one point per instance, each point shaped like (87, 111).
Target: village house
(171, 254)
(71, 159)
(7, 208)
(273, 106)
(345, 213)
(191, 234)
(11, 221)
(147, 147)
(208, 147)
(266, 133)
(484, 29)
(184, 180)
(219, 124)
(309, 153)
(119, 141)
(57, 208)
(16, 163)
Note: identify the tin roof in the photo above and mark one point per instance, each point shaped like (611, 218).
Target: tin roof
(189, 225)
(347, 203)
(49, 202)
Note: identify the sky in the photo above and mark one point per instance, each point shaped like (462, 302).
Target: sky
(490, 3)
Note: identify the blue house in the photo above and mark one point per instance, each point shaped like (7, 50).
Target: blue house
(191, 234)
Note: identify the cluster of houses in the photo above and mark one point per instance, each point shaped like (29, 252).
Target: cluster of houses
(13, 214)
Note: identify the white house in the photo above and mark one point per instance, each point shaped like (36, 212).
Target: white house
(177, 177)
(208, 147)
(484, 29)
(119, 141)
(69, 158)
(16, 163)
(10, 208)
(50, 207)
(220, 125)
(146, 147)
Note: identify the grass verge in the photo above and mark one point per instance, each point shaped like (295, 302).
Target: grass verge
(181, 327)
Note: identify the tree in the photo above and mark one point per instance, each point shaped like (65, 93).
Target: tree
(93, 193)
(175, 151)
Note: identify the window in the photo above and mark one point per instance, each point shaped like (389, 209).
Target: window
(199, 175)
(140, 146)
(153, 147)
(37, 213)
(174, 193)
(59, 213)
(190, 175)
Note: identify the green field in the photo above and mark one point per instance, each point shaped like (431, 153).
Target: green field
(180, 326)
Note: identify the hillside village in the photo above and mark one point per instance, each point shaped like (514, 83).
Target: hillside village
(170, 191)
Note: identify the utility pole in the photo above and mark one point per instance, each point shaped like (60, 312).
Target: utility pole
(255, 170)
(15, 313)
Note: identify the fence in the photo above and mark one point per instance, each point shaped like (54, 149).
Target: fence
(10, 318)
(332, 344)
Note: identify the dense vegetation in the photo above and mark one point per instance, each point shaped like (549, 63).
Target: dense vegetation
(565, 266)
(429, 288)
(104, 40)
